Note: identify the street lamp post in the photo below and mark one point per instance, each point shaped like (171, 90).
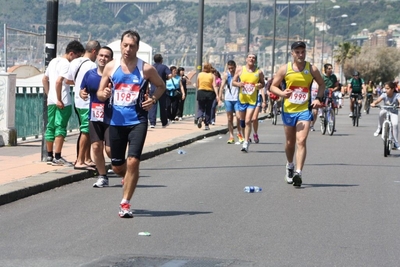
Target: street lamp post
(323, 33)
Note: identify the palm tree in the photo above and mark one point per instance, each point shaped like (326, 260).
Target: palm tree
(345, 51)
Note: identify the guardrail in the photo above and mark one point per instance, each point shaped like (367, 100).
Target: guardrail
(29, 111)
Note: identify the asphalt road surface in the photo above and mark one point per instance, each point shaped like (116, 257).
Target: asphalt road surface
(345, 214)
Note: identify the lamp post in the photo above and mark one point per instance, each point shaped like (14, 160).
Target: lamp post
(323, 33)
(335, 31)
(288, 32)
(248, 26)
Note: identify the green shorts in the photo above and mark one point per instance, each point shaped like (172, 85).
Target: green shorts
(83, 118)
(57, 121)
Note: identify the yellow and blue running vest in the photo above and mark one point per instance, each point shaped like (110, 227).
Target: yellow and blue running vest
(248, 93)
(300, 83)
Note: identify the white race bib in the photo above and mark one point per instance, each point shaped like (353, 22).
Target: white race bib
(97, 112)
(248, 88)
(299, 95)
(126, 94)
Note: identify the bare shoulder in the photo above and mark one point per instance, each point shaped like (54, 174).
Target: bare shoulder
(148, 70)
(109, 67)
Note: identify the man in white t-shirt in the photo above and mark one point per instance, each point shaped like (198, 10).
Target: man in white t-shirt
(59, 102)
(231, 101)
(77, 71)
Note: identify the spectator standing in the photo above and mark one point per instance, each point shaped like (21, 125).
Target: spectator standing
(165, 74)
(175, 92)
(76, 72)
(181, 105)
(59, 102)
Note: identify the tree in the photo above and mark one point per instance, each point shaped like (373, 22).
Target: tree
(379, 64)
(345, 52)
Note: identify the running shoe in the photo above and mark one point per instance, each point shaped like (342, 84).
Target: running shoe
(125, 211)
(377, 132)
(312, 129)
(240, 137)
(297, 179)
(256, 140)
(396, 146)
(61, 162)
(102, 181)
(207, 128)
(245, 147)
(289, 174)
(49, 160)
(231, 141)
(199, 121)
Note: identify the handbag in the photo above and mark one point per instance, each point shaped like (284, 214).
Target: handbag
(175, 92)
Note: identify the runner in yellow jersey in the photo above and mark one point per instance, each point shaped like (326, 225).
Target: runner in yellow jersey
(296, 110)
(249, 79)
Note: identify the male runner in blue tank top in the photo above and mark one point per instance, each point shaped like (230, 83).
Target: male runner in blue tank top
(125, 82)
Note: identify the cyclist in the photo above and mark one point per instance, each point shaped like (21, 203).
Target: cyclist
(356, 87)
(390, 97)
(331, 84)
(370, 91)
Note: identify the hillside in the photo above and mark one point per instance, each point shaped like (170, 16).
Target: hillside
(174, 23)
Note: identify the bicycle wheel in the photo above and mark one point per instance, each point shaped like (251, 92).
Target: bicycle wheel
(354, 114)
(323, 122)
(330, 121)
(386, 142)
(357, 114)
(275, 113)
(367, 105)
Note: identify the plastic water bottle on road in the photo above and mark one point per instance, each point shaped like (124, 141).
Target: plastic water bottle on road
(252, 189)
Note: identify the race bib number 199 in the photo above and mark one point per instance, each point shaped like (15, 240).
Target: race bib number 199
(299, 95)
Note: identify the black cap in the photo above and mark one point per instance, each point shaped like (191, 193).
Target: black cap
(298, 44)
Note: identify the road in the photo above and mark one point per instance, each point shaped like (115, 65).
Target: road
(345, 214)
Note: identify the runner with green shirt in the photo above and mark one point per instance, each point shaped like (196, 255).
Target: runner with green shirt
(356, 87)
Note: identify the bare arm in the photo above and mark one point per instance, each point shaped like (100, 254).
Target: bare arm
(235, 78)
(223, 83)
(278, 78)
(105, 86)
(59, 83)
(45, 82)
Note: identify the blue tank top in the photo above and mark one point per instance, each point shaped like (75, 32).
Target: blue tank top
(127, 96)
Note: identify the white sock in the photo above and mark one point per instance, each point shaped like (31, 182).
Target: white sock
(298, 171)
(123, 201)
(290, 165)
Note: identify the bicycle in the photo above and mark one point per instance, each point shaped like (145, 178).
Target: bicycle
(328, 119)
(356, 108)
(387, 130)
(370, 99)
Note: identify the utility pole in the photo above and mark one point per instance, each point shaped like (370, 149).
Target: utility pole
(199, 63)
(51, 52)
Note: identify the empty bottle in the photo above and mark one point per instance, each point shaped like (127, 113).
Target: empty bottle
(181, 151)
(252, 189)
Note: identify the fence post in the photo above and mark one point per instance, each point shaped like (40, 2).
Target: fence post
(8, 133)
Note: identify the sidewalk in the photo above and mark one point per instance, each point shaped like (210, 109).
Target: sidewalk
(22, 173)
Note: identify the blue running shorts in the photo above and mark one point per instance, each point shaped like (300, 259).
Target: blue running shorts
(291, 119)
